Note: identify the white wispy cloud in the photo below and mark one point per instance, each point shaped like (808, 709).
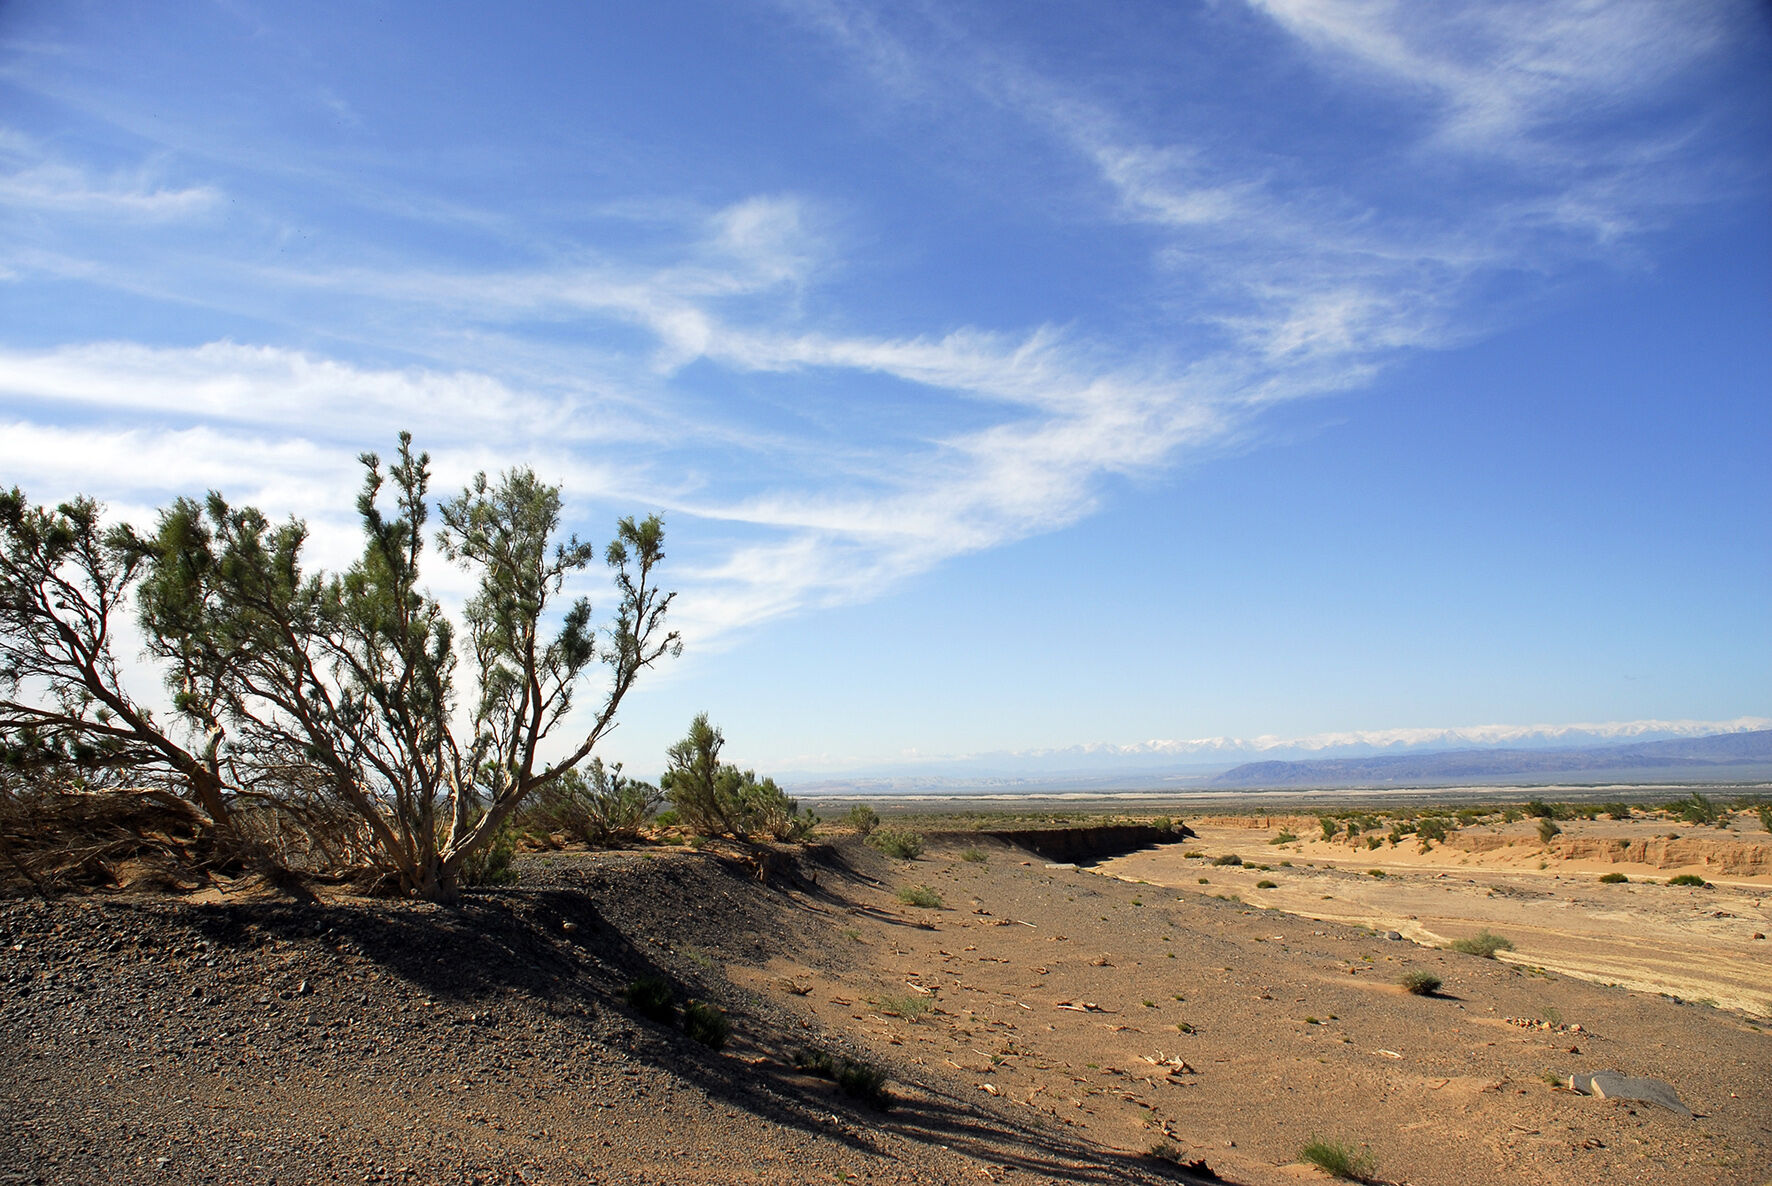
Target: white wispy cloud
(30, 178)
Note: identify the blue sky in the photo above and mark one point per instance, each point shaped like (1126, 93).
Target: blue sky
(1011, 377)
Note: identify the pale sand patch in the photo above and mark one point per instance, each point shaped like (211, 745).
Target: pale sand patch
(1693, 943)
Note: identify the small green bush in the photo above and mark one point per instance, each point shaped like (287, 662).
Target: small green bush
(1376, 873)
(1613, 879)
(919, 895)
(1687, 879)
(1264, 883)
(1765, 813)
(1287, 837)
(1697, 810)
(1329, 826)
(1163, 824)
(491, 864)
(1547, 829)
(975, 855)
(1229, 858)
(651, 997)
(1539, 809)
(1422, 984)
(1339, 1160)
(1483, 943)
(898, 842)
(1617, 810)
(863, 1081)
(706, 1024)
(863, 819)
(668, 818)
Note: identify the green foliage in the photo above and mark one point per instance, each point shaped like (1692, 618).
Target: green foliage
(919, 895)
(1330, 827)
(863, 819)
(1431, 828)
(1163, 824)
(651, 997)
(903, 1004)
(1687, 879)
(1229, 858)
(1697, 810)
(1616, 810)
(1339, 1160)
(1376, 873)
(718, 799)
(856, 1078)
(706, 1024)
(1421, 984)
(1613, 879)
(595, 805)
(1765, 814)
(1266, 884)
(1539, 809)
(490, 864)
(898, 842)
(1284, 837)
(1546, 830)
(974, 855)
(1483, 944)
(325, 696)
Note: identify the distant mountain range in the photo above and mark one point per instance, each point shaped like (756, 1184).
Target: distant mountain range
(1721, 755)
(1735, 750)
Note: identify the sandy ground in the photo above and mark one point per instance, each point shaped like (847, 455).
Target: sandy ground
(1041, 1024)
(1688, 942)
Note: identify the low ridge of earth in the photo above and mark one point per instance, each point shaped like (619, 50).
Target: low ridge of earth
(1040, 1024)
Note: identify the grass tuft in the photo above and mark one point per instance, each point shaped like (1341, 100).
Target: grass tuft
(1422, 984)
(1339, 1160)
(919, 895)
(651, 997)
(706, 1024)
(898, 842)
(1483, 943)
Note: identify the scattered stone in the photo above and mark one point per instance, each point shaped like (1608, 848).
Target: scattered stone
(1393, 934)
(1611, 1085)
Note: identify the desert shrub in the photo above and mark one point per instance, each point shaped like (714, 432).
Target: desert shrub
(1613, 879)
(1546, 830)
(1483, 943)
(1372, 842)
(668, 818)
(863, 1081)
(1422, 984)
(1229, 858)
(1510, 814)
(863, 819)
(1286, 837)
(706, 1024)
(1264, 883)
(1376, 873)
(858, 1079)
(1339, 1160)
(718, 799)
(1163, 824)
(1431, 828)
(331, 689)
(898, 842)
(919, 895)
(1765, 813)
(1469, 815)
(491, 863)
(598, 805)
(1617, 810)
(1687, 879)
(1697, 809)
(814, 1061)
(975, 855)
(651, 997)
(1329, 826)
(1539, 809)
